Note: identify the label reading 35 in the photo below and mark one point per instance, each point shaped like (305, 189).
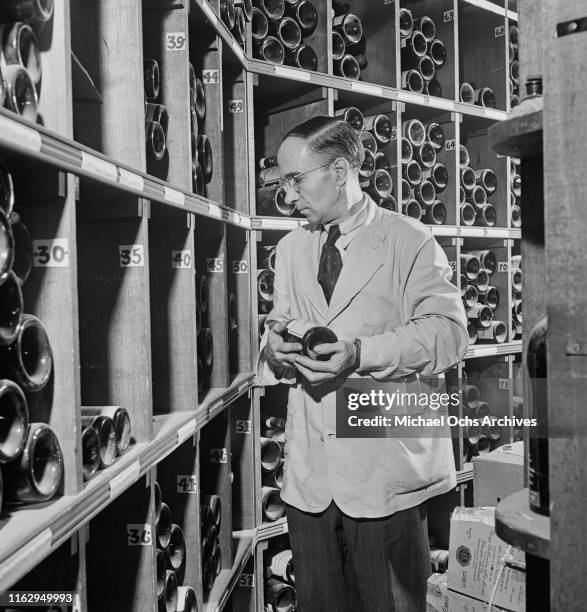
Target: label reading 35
(51, 253)
(131, 255)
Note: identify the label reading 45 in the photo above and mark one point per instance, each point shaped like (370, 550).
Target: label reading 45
(215, 264)
(51, 253)
(139, 535)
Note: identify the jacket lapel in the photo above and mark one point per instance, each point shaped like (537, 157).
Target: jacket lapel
(364, 257)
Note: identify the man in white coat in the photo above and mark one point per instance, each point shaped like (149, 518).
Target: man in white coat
(380, 281)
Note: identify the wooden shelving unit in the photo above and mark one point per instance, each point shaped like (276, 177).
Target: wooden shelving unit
(126, 335)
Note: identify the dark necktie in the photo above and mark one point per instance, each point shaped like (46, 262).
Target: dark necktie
(330, 263)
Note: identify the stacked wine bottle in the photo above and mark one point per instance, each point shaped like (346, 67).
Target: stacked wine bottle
(265, 280)
(20, 59)
(516, 192)
(30, 454)
(423, 176)
(514, 66)
(516, 276)
(272, 457)
(279, 28)
(422, 54)
(210, 521)
(483, 438)
(156, 115)
(236, 14)
(349, 46)
(270, 194)
(170, 562)
(480, 298)
(202, 154)
(475, 189)
(204, 334)
(280, 591)
(106, 435)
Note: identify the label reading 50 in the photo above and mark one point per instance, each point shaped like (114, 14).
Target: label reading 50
(139, 535)
(240, 266)
(51, 253)
(175, 41)
(131, 255)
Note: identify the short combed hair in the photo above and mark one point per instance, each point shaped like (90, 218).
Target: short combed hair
(328, 136)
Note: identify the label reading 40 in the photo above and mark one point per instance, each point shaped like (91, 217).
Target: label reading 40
(181, 259)
(131, 255)
(139, 534)
(51, 253)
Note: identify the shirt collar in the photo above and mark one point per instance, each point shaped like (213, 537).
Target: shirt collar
(355, 220)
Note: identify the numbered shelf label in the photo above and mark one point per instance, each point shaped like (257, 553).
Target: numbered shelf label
(503, 383)
(240, 266)
(131, 255)
(499, 31)
(215, 265)
(181, 259)
(448, 16)
(236, 106)
(502, 266)
(51, 253)
(453, 265)
(246, 581)
(218, 455)
(211, 77)
(175, 41)
(139, 534)
(242, 426)
(187, 483)
(450, 145)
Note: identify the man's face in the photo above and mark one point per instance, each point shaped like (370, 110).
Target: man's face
(318, 191)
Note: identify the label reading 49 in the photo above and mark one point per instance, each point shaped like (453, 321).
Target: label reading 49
(51, 253)
(235, 106)
(139, 535)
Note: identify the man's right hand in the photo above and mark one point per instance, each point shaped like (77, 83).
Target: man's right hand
(278, 352)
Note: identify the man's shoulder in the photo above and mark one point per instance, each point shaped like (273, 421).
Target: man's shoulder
(298, 236)
(402, 229)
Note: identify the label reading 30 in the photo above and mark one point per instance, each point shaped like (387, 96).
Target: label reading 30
(51, 253)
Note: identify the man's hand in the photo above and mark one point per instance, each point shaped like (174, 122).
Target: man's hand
(342, 358)
(278, 352)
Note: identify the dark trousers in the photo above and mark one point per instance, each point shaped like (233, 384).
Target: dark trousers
(344, 564)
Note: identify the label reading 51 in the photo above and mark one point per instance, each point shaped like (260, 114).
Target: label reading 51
(175, 41)
(139, 535)
(51, 253)
(131, 255)
(242, 426)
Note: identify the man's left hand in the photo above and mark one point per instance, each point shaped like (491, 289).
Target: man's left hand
(342, 359)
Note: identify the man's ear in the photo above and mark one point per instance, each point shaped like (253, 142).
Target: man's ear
(342, 168)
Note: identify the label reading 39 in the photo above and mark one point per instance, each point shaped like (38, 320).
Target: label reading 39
(139, 534)
(131, 255)
(51, 253)
(175, 41)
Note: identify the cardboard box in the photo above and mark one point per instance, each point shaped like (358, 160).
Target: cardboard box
(498, 474)
(476, 555)
(462, 603)
(437, 593)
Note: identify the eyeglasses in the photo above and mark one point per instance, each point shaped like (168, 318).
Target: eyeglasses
(293, 182)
